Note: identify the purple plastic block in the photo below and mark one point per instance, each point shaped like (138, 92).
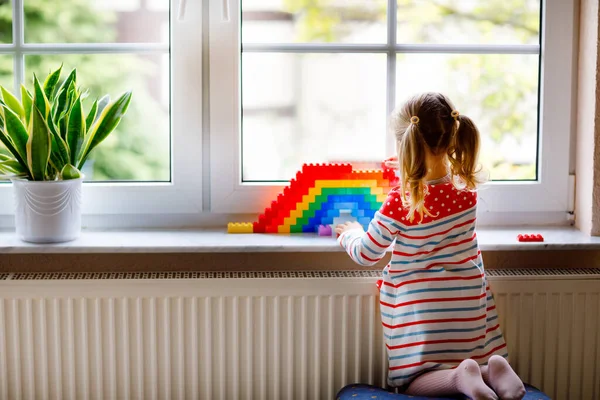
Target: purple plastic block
(325, 230)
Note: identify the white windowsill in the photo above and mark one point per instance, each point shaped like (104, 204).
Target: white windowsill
(215, 241)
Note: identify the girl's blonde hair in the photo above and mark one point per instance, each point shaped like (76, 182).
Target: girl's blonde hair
(430, 121)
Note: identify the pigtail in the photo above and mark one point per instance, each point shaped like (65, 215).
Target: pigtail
(413, 169)
(463, 153)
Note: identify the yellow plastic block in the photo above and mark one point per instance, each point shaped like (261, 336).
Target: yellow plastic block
(381, 197)
(302, 206)
(240, 227)
(377, 190)
(283, 229)
(297, 213)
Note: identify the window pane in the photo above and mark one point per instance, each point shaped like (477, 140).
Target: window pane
(6, 80)
(139, 148)
(302, 21)
(95, 21)
(499, 92)
(5, 21)
(469, 21)
(308, 108)
(6, 72)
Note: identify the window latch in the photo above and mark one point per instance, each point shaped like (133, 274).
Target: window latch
(181, 11)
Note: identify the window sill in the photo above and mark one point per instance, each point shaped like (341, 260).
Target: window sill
(218, 241)
(215, 250)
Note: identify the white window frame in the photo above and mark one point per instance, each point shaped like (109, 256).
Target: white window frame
(513, 203)
(127, 202)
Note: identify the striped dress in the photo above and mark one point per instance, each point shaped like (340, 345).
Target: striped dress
(436, 306)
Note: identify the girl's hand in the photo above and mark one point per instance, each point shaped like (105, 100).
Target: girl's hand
(341, 228)
(392, 162)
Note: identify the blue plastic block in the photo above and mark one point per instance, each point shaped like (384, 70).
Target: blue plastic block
(333, 213)
(360, 213)
(315, 221)
(326, 221)
(364, 221)
(345, 206)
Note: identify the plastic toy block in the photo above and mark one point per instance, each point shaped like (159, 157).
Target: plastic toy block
(258, 227)
(364, 221)
(272, 229)
(325, 230)
(345, 216)
(530, 238)
(345, 205)
(314, 196)
(283, 229)
(236, 227)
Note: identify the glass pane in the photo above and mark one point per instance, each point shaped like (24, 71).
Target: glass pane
(5, 21)
(138, 149)
(310, 21)
(309, 108)
(469, 21)
(7, 78)
(498, 91)
(95, 21)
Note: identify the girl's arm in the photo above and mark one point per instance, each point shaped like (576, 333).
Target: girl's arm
(367, 248)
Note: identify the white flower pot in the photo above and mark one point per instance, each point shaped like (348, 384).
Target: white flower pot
(48, 211)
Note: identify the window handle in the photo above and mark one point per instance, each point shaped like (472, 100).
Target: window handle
(225, 9)
(181, 11)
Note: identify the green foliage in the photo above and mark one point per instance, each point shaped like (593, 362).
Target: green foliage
(43, 150)
(139, 148)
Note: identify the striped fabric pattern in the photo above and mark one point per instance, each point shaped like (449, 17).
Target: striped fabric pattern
(436, 306)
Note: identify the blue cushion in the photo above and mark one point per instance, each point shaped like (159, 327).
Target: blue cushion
(367, 392)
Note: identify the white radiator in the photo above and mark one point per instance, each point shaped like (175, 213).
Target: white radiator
(260, 335)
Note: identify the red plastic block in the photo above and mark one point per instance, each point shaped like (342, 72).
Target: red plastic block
(530, 238)
(259, 228)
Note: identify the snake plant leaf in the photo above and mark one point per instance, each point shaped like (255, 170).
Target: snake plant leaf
(51, 82)
(27, 100)
(91, 117)
(17, 132)
(39, 144)
(39, 99)
(11, 148)
(102, 103)
(62, 94)
(12, 167)
(59, 156)
(105, 124)
(76, 130)
(12, 102)
(70, 172)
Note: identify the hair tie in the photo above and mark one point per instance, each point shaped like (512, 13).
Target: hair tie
(455, 114)
(414, 120)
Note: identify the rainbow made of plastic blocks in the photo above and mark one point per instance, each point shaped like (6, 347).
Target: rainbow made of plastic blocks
(316, 196)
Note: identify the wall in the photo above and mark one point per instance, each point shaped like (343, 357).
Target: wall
(588, 122)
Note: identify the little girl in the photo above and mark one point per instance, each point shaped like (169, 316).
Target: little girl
(440, 322)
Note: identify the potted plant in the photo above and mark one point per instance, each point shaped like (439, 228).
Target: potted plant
(48, 138)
